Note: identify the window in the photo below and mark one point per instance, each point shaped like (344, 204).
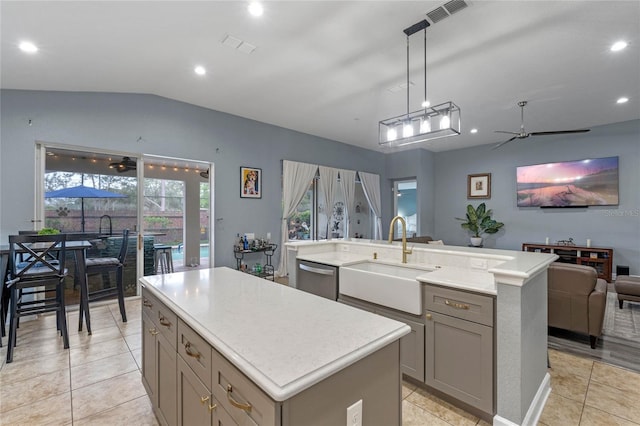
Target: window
(405, 206)
(301, 224)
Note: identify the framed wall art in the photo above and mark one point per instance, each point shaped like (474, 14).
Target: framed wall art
(479, 186)
(250, 182)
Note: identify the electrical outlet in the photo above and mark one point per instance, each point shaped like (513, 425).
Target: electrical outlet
(354, 414)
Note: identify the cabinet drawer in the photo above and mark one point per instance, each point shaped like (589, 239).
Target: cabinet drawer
(149, 302)
(242, 399)
(195, 352)
(460, 304)
(164, 319)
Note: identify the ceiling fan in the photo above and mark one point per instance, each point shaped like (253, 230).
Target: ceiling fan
(124, 166)
(205, 174)
(522, 134)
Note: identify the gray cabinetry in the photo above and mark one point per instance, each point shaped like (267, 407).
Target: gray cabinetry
(159, 357)
(191, 383)
(411, 346)
(459, 345)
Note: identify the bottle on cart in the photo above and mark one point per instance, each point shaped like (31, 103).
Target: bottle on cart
(245, 243)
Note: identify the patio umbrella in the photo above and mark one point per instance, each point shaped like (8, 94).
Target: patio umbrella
(82, 192)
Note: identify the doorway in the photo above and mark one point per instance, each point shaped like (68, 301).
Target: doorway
(169, 198)
(405, 205)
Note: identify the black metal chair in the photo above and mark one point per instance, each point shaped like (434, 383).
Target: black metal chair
(36, 285)
(104, 266)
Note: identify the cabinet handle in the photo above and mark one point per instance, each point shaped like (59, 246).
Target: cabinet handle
(153, 331)
(213, 407)
(187, 349)
(147, 304)
(203, 399)
(245, 407)
(428, 316)
(456, 305)
(163, 321)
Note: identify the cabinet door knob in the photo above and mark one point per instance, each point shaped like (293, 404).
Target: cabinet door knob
(147, 304)
(153, 331)
(213, 407)
(203, 399)
(428, 316)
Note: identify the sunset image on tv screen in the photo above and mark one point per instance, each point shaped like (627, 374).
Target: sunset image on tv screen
(590, 182)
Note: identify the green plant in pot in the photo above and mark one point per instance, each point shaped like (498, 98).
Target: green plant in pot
(479, 222)
(48, 231)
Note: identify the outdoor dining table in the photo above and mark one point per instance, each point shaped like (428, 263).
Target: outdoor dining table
(77, 246)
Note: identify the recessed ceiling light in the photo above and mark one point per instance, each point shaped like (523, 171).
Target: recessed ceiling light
(426, 104)
(200, 70)
(28, 47)
(474, 130)
(255, 8)
(622, 100)
(618, 45)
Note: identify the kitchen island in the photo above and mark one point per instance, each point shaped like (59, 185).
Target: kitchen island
(487, 302)
(218, 342)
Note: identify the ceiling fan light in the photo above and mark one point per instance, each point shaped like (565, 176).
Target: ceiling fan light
(426, 104)
(622, 100)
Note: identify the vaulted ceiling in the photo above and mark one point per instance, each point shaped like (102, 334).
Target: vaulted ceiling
(335, 68)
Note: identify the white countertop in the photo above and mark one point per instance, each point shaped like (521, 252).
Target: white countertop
(335, 258)
(283, 339)
(466, 279)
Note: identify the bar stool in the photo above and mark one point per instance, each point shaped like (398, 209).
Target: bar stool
(163, 258)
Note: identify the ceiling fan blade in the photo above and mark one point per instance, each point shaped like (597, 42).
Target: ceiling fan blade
(559, 132)
(509, 133)
(502, 143)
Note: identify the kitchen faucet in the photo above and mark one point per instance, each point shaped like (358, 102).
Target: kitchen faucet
(405, 252)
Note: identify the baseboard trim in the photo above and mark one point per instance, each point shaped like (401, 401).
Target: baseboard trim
(535, 409)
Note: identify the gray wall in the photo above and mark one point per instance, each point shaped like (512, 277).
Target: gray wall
(608, 226)
(169, 128)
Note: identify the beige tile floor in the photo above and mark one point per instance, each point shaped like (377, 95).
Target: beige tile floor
(97, 381)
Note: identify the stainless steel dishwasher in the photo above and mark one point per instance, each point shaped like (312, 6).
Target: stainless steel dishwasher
(317, 278)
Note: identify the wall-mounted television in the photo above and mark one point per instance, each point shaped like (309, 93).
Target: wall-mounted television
(580, 183)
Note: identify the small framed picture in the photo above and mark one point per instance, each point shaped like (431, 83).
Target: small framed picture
(250, 182)
(479, 186)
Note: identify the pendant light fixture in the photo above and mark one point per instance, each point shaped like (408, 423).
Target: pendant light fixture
(430, 122)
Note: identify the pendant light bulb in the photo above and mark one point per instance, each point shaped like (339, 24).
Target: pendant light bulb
(407, 129)
(445, 122)
(425, 125)
(392, 134)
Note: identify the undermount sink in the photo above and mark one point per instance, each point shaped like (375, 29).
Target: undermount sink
(387, 285)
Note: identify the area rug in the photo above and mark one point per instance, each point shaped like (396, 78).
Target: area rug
(621, 323)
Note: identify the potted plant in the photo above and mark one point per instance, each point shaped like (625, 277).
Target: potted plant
(478, 220)
(48, 231)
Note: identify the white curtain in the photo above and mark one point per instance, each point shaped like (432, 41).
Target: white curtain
(371, 187)
(328, 186)
(348, 184)
(296, 178)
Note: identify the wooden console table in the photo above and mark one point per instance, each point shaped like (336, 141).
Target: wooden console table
(598, 257)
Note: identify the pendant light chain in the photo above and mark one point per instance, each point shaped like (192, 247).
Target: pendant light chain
(408, 77)
(425, 69)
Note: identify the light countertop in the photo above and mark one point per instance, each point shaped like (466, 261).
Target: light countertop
(283, 339)
(465, 279)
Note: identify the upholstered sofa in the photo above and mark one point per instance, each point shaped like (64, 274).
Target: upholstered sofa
(577, 299)
(628, 288)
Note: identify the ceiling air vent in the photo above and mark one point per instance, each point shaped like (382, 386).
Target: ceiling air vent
(437, 15)
(455, 5)
(446, 10)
